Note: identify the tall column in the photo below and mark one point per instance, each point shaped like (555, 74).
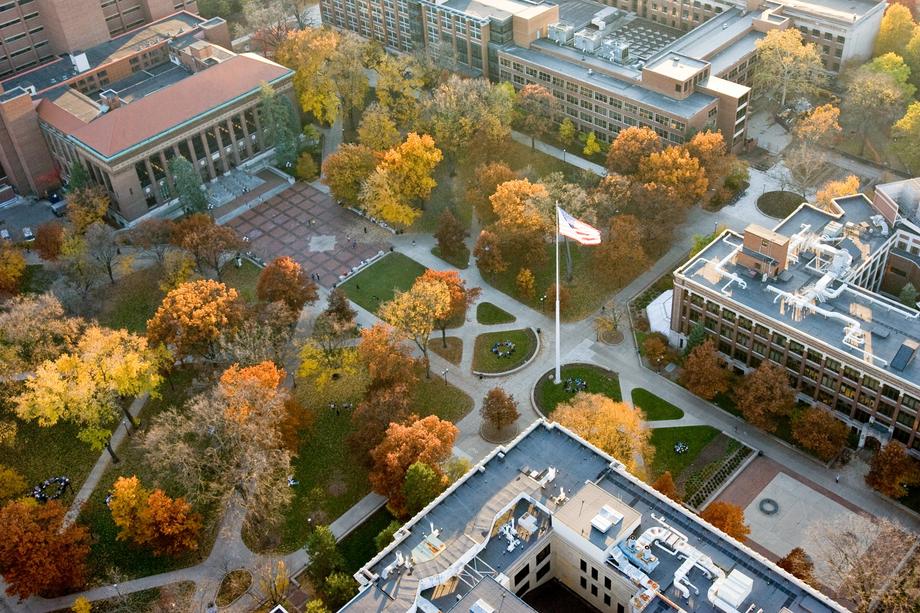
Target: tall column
(246, 135)
(235, 147)
(169, 179)
(154, 184)
(260, 134)
(222, 154)
(212, 172)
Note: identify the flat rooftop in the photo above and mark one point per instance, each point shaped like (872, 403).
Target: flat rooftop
(889, 324)
(839, 9)
(527, 478)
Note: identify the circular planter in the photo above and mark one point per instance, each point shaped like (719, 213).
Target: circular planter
(768, 506)
(515, 367)
(548, 375)
(779, 204)
(497, 437)
(233, 586)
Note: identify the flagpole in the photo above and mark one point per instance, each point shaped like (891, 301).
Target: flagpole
(558, 378)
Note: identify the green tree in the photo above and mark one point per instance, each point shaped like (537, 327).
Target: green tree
(338, 589)
(908, 295)
(906, 134)
(696, 337)
(324, 555)
(79, 177)
(385, 536)
(189, 186)
(422, 486)
(280, 125)
(895, 30)
(893, 65)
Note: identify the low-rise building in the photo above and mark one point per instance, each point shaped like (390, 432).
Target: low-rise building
(551, 506)
(127, 107)
(810, 295)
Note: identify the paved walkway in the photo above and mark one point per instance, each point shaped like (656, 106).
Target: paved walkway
(564, 155)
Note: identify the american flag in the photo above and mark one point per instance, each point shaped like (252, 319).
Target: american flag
(577, 230)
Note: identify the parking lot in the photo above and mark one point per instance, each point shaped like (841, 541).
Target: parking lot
(25, 214)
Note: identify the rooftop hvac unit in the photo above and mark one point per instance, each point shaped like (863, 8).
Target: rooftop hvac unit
(620, 53)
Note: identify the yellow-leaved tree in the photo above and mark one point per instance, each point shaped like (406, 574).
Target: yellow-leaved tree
(87, 386)
(416, 312)
(615, 427)
(836, 189)
(307, 53)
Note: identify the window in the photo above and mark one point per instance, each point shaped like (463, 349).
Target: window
(607, 584)
(522, 574)
(593, 590)
(584, 566)
(584, 583)
(542, 572)
(543, 554)
(606, 600)
(593, 573)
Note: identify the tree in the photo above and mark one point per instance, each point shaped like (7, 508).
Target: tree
(264, 336)
(908, 295)
(128, 498)
(675, 168)
(381, 407)
(499, 409)
(709, 149)
(284, 280)
(279, 125)
(727, 517)
(820, 127)
(81, 273)
(607, 324)
(86, 206)
(567, 132)
(521, 226)
(894, 66)
(422, 485)
(906, 133)
(535, 110)
(468, 114)
(460, 297)
(227, 443)
(428, 440)
(154, 237)
(398, 84)
(377, 129)
(806, 166)
(592, 145)
(787, 66)
(630, 147)
(209, 243)
(695, 337)
(316, 606)
(104, 246)
(895, 30)
(764, 396)
(385, 537)
(819, 432)
(11, 483)
(346, 70)
(270, 20)
(450, 235)
(704, 374)
(12, 269)
(836, 189)
(525, 283)
(87, 386)
(308, 52)
(323, 554)
(416, 313)
(49, 239)
(798, 564)
(189, 186)
(615, 427)
(81, 605)
(870, 561)
(665, 485)
(38, 555)
(912, 56)
(872, 101)
(484, 182)
(178, 268)
(153, 519)
(35, 329)
(79, 177)
(389, 363)
(338, 589)
(339, 309)
(620, 256)
(346, 170)
(306, 167)
(892, 471)
(656, 350)
(192, 317)
(488, 253)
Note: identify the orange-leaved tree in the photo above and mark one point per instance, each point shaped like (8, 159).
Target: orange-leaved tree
(892, 471)
(621, 256)
(37, 554)
(248, 387)
(665, 485)
(486, 178)
(677, 169)
(727, 517)
(764, 396)
(386, 357)
(192, 317)
(798, 564)
(703, 373)
(461, 297)
(151, 518)
(428, 440)
(630, 147)
(284, 280)
(818, 431)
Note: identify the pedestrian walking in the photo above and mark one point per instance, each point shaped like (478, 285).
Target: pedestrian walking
(357, 287)
(837, 479)
(365, 229)
(413, 242)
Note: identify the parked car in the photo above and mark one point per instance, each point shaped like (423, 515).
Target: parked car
(59, 208)
(27, 234)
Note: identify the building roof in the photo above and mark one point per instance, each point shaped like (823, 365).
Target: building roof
(488, 592)
(173, 105)
(540, 480)
(847, 11)
(887, 324)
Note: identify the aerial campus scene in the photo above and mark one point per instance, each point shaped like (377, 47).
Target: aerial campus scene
(459, 305)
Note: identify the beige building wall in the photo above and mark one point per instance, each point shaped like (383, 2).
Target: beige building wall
(73, 25)
(26, 158)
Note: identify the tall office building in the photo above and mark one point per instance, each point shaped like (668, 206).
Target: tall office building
(34, 31)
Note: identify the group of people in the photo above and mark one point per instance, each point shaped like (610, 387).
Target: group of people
(51, 489)
(503, 349)
(573, 385)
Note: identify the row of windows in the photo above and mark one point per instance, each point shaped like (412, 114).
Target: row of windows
(583, 582)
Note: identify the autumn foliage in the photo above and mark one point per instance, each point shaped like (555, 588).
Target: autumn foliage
(728, 518)
(167, 525)
(499, 408)
(245, 388)
(428, 440)
(820, 432)
(665, 485)
(346, 170)
(49, 238)
(284, 280)
(386, 357)
(764, 396)
(631, 146)
(798, 564)
(703, 373)
(892, 471)
(37, 556)
(12, 269)
(192, 317)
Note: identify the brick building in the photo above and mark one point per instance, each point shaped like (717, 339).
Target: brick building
(128, 106)
(809, 295)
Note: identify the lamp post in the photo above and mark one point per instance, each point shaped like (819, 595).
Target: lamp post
(444, 374)
(563, 154)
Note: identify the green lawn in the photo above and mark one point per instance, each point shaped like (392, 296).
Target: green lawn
(358, 547)
(107, 552)
(131, 301)
(37, 279)
(453, 353)
(461, 262)
(379, 282)
(327, 467)
(696, 438)
(243, 279)
(525, 343)
(655, 408)
(491, 315)
(600, 381)
(779, 204)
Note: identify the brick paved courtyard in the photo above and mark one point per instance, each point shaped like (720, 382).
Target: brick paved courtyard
(307, 225)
